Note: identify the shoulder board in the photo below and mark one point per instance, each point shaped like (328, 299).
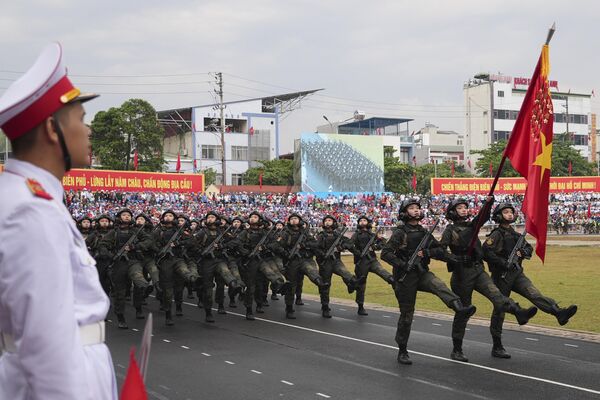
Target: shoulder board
(37, 189)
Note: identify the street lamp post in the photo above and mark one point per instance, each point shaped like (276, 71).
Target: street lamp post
(330, 124)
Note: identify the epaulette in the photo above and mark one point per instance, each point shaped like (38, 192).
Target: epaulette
(37, 189)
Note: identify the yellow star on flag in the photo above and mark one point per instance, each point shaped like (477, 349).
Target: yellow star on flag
(544, 159)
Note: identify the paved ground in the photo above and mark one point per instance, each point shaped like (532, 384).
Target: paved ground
(349, 357)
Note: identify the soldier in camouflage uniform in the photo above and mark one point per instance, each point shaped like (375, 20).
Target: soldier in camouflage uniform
(367, 263)
(148, 257)
(468, 274)
(85, 227)
(297, 246)
(397, 251)
(245, 244)
(214, 262)
(187, 246)
(233, 262)
(102, 260)
(171, 262)
(128, 266)
(497, 249)
(329, 265)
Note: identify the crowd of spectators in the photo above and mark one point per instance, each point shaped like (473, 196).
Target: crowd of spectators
(567, 211)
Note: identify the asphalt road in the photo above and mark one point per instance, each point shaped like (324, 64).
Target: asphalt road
(347, 357)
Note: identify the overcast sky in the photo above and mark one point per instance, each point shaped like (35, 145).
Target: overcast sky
(387, 58)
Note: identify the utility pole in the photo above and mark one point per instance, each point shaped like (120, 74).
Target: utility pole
(219, 78)
(567, 110)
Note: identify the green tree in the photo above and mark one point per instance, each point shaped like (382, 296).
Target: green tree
(275, 172)
(562, 153)
(117, 132)
(397, 176)
(210, 176)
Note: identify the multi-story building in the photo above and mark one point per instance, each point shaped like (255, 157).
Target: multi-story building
(252, 132)
(492, 103)
(433, 145)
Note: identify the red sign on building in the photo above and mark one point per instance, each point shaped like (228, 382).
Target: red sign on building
(512, 185)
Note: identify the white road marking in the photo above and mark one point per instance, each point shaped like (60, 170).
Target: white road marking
(205, 354)
(323, 395)
(571, 345)
(343, 309)
(109, 320)
(256, 372)
(532, 339)
(395, 349)
(386, 316)
(467, 329)
(166, 341)
(135, 329)
(121, 366)
(230, 362)
(185, 347)
(287, 383)
(436, 324)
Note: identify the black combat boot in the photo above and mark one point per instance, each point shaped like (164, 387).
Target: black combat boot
(138, 313)
(351, 285)
(149, 289)
(457, 353)
(121, 322)
(209, 317)
(274, 296)
(523, 315)
(498, 350)
(462, 311)
(259, 309)
(563, 314)
(403, 357)
(361, 310)
(235, 287)
(326, 311)
(169, 318)
(232, 302)
(249, 315)
(178, 310)
(221, 309)
(289, 312)
(200, 303)
(299, 301)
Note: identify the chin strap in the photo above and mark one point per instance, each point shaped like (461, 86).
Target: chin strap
(63, 144)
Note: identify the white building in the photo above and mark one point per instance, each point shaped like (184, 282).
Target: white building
(492, 103)
(438, 146)
(252, 134)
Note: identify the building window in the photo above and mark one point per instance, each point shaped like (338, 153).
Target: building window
(500, 93)
(237, 180)
(580, 140)
(211, 152)
(239, 153)
(501, 135)
(459, 142)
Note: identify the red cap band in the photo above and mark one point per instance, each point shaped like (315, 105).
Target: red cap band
(38, 111)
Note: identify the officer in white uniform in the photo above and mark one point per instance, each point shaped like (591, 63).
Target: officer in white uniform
(52, 306)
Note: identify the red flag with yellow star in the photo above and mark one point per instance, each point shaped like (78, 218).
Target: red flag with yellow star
(530, 150)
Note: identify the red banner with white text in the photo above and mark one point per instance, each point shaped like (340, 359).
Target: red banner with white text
(516, 185)
(132, 181)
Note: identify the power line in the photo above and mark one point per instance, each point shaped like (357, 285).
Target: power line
(121, 76)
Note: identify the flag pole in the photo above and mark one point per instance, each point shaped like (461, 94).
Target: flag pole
(488, 205)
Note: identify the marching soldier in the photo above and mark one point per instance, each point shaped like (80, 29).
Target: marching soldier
(497, 250)
(279, 226)
(297, 245)
(248, 244)
(85, 227)
(397, 251)
(126, 243)
(187, 247)
(365, 260)
(468, 273)
(170, 260)
(233, 261)
(213, 262)
(52, 307)
(332, 264)
(103, 260)
(148, 256)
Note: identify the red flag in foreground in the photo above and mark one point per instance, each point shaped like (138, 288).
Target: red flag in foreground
(530, 151)
(135, 160)
(133, 386)
(178, 165)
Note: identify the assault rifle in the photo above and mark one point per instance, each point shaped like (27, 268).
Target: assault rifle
(298, 243)
(335, 244)
(122, 252)
(167, 247)
(211, 247)
(513, 262)
(367, 248)
(413, 261)
(256, 250)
